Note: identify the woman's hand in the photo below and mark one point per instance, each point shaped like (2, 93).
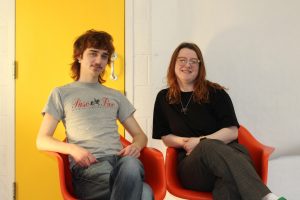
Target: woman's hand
(131, 150)
(171, 140)
(190, 144)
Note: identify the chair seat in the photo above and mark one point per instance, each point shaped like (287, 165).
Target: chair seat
(151, 158)
(259, 153)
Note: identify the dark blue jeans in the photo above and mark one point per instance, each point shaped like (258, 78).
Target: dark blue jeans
(112, 177)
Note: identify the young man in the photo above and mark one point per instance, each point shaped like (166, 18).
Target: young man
(101, 169)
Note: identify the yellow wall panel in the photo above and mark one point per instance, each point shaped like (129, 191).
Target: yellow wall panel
(45, 32)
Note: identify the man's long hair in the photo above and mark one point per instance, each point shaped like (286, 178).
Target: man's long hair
(91, 39)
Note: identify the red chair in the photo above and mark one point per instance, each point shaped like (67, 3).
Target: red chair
(151, 158)
(259, 153)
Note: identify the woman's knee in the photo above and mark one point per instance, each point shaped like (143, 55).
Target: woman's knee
(211, 145)
(207, 146)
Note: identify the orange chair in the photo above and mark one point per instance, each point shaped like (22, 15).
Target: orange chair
(259, 153)
(151, 158)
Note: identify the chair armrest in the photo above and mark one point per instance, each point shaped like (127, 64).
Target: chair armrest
(171, 168)
(267, 151)
(259, 152)
(64, 174)
(248, 140)
(124, 142)
(173, 184)
(153, 162)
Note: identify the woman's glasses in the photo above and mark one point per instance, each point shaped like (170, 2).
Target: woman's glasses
(182, 61)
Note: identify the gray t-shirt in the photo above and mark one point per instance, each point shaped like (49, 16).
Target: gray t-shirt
(89, 112)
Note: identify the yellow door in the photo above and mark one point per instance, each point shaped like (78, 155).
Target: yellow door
(45, 32)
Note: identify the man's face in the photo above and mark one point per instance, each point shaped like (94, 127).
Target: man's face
(93, 62)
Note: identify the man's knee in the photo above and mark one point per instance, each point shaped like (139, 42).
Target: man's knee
(131, 166)
(147, 192)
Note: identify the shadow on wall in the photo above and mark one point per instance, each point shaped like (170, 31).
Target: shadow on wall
(251, 48)
(258, 64)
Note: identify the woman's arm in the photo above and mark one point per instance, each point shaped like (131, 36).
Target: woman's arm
(226, 135)
(45, 141)
(171, 140)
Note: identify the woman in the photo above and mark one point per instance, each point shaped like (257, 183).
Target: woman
(197, 117)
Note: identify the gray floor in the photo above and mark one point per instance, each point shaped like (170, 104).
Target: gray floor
(284, 176)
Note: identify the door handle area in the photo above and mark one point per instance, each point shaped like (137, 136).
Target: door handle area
(113, 76)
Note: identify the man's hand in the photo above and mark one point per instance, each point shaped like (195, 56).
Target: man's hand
(131, 150)
(82, 157)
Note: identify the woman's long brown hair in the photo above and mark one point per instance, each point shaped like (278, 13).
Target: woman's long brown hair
(201, 85)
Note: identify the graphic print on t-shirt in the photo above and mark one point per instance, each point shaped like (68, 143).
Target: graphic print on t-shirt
(104, 102)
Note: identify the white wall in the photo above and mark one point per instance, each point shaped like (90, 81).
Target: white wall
(251, 47)
(7, 41)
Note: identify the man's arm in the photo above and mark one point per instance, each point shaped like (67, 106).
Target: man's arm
(139, 138)
(45, 141)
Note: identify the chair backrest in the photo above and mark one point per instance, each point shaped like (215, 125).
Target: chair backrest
(67, 173)
(65, 177)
